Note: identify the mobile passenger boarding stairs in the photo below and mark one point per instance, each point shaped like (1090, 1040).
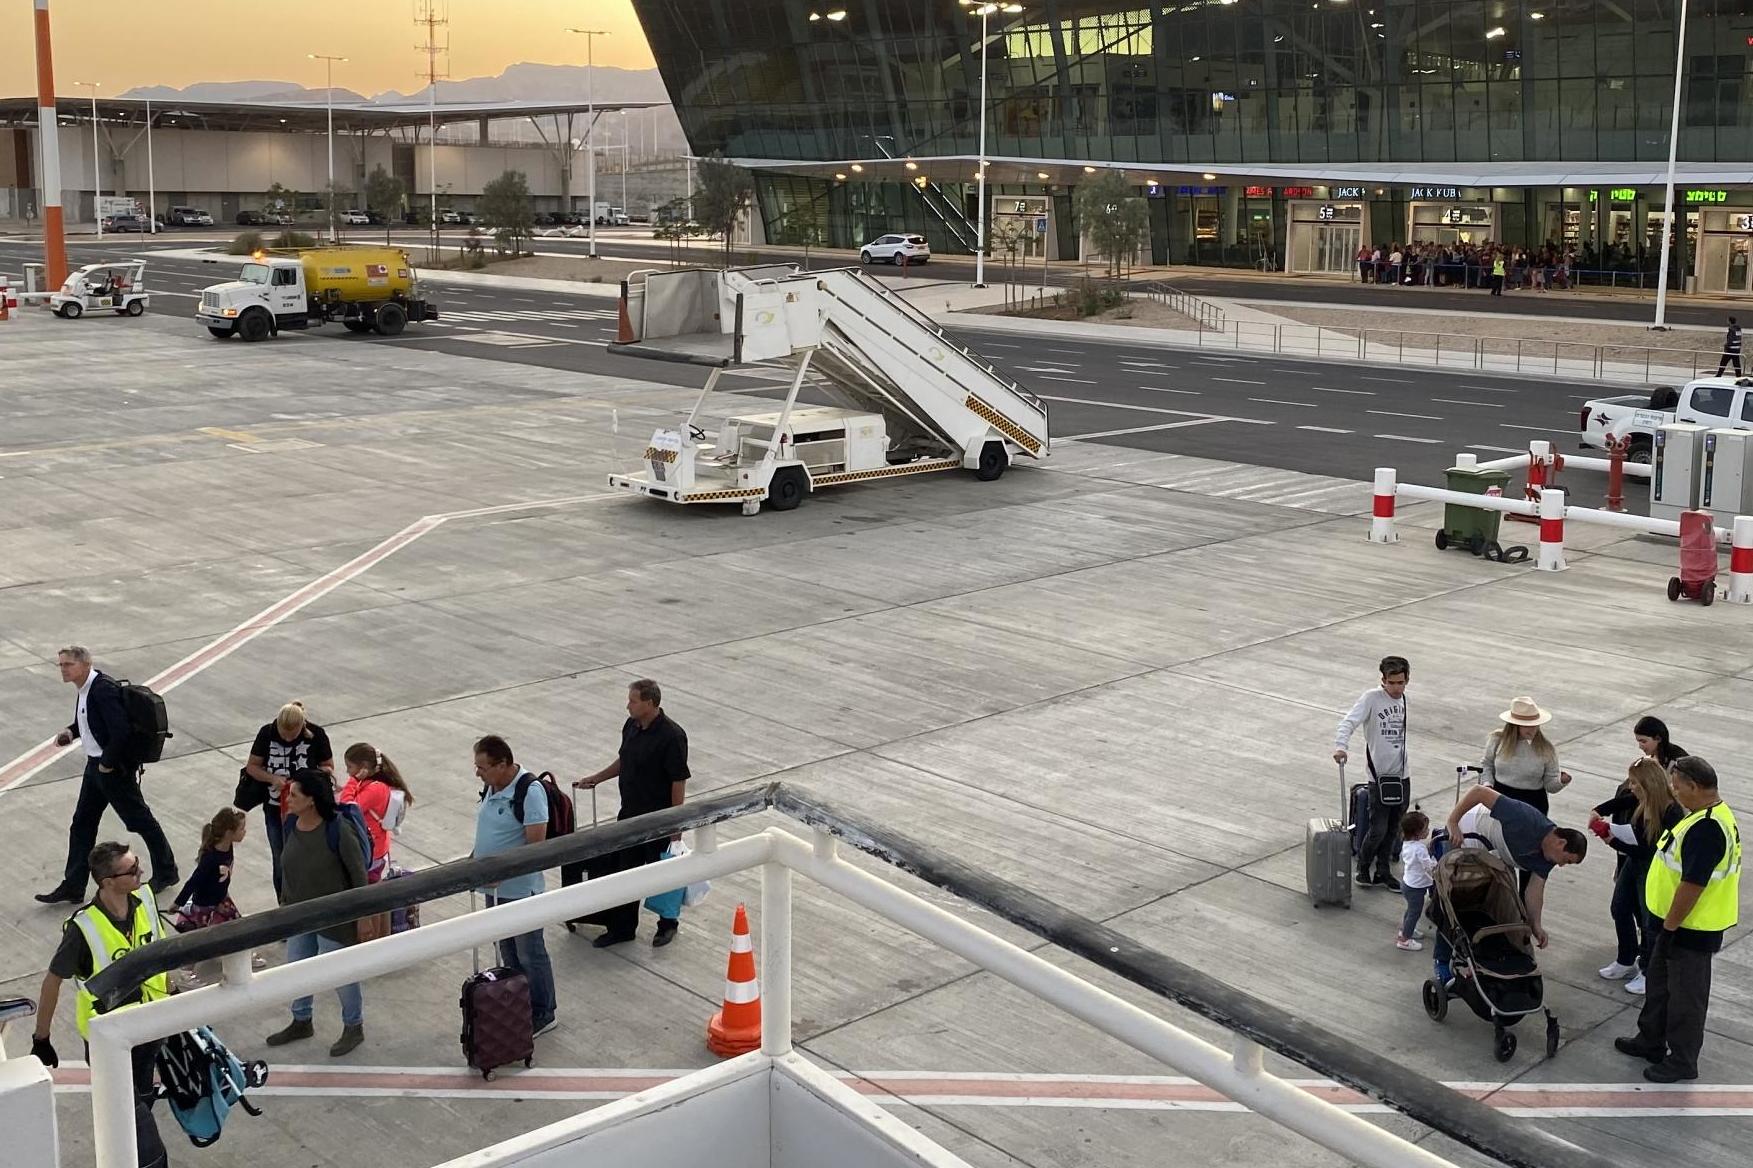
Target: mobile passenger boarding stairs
(907, 399)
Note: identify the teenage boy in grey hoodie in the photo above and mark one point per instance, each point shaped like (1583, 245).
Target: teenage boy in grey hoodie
(1382, 714)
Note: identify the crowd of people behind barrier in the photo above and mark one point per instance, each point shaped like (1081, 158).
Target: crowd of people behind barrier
(1488, 266)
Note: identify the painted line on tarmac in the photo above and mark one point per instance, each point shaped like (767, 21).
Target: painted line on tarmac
(1498, 449)
(1108, 405)
(1397, 414)
(1272, 401)
(215, 651)
(1330, 389)
(1408, 438)
(1145, 429)
(986, 1089)
(1326, 429)
(1238, 381)
(1453, 401)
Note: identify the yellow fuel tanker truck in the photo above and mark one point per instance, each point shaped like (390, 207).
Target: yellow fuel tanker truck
(365, 289)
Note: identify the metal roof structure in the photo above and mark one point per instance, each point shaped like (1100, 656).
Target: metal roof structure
(294, 117)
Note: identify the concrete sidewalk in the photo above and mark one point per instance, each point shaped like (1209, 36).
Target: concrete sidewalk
(1112, 678)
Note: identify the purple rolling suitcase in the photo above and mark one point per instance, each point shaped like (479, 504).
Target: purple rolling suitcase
(496, 1018)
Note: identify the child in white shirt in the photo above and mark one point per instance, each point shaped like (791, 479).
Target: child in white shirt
(1416, 879)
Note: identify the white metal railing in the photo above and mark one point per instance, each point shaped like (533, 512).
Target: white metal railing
(1237, 1072)
(1639, 364)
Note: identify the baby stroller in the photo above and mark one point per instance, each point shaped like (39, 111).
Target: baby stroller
(1477, 907)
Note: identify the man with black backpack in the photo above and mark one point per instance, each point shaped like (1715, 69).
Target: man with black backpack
(516, 809)
(115, 750)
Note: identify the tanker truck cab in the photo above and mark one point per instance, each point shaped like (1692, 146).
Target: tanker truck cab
(268, 295)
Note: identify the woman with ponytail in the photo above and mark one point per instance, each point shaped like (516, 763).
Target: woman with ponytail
(374, 783)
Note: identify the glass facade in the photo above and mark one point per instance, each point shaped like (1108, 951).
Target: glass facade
(1281, 82)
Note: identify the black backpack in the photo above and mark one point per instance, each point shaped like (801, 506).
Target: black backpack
(561, 820)
(148, 723)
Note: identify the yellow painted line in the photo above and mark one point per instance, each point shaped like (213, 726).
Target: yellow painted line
(243, 436)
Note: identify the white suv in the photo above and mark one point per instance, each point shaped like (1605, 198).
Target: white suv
(355, 217)
(895, 248)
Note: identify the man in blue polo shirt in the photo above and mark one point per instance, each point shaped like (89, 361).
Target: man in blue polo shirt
(1521, 837)
(499, 828)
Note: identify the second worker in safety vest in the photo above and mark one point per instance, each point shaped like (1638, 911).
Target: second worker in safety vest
(1692, 894)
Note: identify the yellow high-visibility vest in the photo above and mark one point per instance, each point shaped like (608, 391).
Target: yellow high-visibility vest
(1718, 906)
(108, 944)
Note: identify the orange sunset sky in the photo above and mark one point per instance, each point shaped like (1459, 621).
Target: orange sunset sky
(124, 43)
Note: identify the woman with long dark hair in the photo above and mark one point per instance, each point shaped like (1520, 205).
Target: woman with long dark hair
(322, 855)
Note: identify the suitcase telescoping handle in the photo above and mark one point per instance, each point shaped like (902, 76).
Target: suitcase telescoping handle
(1461, 773)
(1344, 798)
(474, 950)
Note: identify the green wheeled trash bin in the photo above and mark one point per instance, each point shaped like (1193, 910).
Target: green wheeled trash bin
(1473, 528)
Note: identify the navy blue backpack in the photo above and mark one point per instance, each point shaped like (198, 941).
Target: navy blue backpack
(202, 1081)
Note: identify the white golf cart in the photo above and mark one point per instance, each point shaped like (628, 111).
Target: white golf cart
(119, 287)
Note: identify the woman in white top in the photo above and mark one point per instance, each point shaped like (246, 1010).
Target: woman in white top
(1519, 761)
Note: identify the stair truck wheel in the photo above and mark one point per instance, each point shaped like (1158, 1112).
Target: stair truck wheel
(993, 461)
(220, 334)
(391, 318)
(136, 307)
(254, 325)
(790, 484)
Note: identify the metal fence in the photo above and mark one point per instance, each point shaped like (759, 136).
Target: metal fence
(1202, 312)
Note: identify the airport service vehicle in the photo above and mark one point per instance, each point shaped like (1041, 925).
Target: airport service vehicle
(366, 289)
(903, 398)
(119, 287)
(608, 215)
(896, 249)
(1724, 403)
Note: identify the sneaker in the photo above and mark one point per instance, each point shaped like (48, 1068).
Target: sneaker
(1635, 985)
(1388, 882)
(1444, 975)
(1409, 944)
(1364, 880)
(1419, 935)
(666, 932)
(543, 1027)
(299, 1028)
(1618, 972)
(351, 1037)
(257, 961)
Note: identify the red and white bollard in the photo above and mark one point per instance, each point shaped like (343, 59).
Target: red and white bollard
(1382, 519)
(1551, 531)
(1741, 561)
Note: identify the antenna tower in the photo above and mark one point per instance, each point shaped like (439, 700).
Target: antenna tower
(433, 16)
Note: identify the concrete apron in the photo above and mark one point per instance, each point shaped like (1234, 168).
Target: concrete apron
(1113, 678)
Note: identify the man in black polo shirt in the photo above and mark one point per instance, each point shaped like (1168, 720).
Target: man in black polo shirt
(653, 769)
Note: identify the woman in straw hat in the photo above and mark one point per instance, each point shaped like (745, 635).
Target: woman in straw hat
(1519, 761)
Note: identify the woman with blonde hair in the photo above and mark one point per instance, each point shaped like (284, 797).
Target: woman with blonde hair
(1519, 761)
(1646, 803)
(290, 742)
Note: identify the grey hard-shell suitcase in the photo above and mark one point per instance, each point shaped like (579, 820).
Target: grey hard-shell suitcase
(1327, 855)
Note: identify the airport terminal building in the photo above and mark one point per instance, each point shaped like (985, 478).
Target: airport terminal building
(1264, 132)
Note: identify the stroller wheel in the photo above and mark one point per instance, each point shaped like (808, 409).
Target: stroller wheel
(1505, 1047)
(1551, 1036)
(1436, 1000)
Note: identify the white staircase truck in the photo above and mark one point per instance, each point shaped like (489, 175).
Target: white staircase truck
(907, 399)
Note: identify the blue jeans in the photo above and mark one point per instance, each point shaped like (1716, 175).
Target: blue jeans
(352, 1001)
(527, 953)
(1414, 908)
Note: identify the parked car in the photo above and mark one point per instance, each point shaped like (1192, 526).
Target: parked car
(189, 217)
(355, 218)
(252, 219)
(376, 218)
(449, 216)
(119, 223)
(1720, 402)
(895, 248)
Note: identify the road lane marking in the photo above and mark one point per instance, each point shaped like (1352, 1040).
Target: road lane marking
(1272, 401)
(1330, 389)
(1073, 380)
(216, 650)
(1166, 389)
(1238, 381)
(1148, 429)
(1535, 429)
(1326, 430)
(1108, 405)
(1070, 352)
(998, 345)
(1497, 449)
(1451, 401)
(1396, 414)
(1490, 388)
(1395, 380)
(1406, 438)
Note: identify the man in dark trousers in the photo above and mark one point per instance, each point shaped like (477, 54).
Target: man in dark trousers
(1692, 892)
(1731, 349)
(653, 769)
(112, 779)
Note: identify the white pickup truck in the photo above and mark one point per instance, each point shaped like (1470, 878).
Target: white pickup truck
(1718, 402)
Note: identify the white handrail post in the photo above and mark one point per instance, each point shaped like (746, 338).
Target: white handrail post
(1741, 561)
(706, 835)
(775, 959)
(237, 968)
(1551, 531)
(1248, 1056)
(112, 1100)
(1382, 517)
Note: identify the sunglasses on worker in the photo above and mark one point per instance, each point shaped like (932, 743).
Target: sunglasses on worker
(132, 870)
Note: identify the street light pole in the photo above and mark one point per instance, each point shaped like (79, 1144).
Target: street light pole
(329, 98)
(1671, 226)
(590, 155)
(983, 11)
(151, 181)
(96, 174)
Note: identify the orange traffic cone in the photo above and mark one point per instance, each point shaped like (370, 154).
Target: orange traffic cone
(736, 1029)
(624, 326)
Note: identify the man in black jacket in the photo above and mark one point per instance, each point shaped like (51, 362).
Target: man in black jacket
(112, 779)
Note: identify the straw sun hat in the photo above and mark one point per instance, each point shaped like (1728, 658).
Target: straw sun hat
(1523, 712)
